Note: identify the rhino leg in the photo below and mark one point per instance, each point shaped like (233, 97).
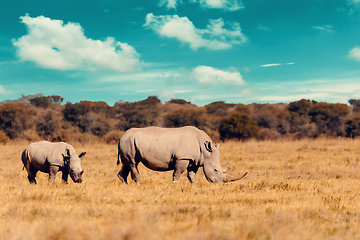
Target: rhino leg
(124, 173)
(180, 167)
(52, 173)
(65, 175)
(135, 175)
(192, 170)
(31, 171)
(32, 174)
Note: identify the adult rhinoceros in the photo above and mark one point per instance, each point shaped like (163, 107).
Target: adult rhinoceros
(163, 149)
(50, 158)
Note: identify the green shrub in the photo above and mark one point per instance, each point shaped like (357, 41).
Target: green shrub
(352, 126)
(113, 136)
(15, 118)
(4, 138)
(238, 126)
(185, 117)
(45, 102)
(49, 125)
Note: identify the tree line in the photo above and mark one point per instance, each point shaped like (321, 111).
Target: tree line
(46, 117)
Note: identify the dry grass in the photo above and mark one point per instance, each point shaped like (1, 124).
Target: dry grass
(294, 190)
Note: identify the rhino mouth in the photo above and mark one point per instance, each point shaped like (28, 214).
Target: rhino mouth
(77, 178)
(212, 179)
(227, 178)
(78, 181)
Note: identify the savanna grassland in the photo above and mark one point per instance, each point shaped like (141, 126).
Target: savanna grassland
(306, 189)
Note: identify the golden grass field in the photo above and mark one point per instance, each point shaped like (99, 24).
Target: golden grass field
(306, 189)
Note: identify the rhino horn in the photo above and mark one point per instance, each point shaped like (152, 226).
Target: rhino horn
(229, 178)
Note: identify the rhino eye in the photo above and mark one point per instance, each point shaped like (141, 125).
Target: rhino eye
(215, 170)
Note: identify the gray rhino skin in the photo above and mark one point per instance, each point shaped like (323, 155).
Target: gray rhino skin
(164, 149)
(50, 158)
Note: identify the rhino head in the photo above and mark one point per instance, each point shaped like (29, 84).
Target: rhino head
(73, 162)
(212, 168)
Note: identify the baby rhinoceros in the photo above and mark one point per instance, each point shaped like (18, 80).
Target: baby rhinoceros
(50, 158)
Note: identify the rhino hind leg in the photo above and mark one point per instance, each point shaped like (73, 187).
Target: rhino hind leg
(32, 179)
(32, 174)
(135, 175)
(124, 173)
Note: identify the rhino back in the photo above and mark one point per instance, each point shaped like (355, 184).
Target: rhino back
(43, 154)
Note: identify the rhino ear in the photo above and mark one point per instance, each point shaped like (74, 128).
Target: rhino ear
(208, 146)
(67, 153)
(82, 154)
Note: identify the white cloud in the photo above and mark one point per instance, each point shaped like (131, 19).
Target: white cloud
(262, 28)
(185, 91)
(140, 77)
(179, 80)
(214, 37)
(212, 76)
(53, 44)
(327, 90)
(177, 83)
(3, 91)
(277, 64)
(8, 62)
(355, 53)
(353, 2)
(226, 5)
(167, 95)
(351, 7)
(169, 3)
(271, 65)
(326, 28)
(291, 98)
(335, 86)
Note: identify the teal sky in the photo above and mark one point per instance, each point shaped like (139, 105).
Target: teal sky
(198, 50)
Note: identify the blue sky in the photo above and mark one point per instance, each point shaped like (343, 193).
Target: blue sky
(198, 50)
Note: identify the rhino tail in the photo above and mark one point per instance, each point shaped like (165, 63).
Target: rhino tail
(27, 165)
(120, 153)
(118, 159)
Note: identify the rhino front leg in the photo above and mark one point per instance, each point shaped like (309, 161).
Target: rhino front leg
(52, 173)
(192, 170)
(180, 167)
(65, 175)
